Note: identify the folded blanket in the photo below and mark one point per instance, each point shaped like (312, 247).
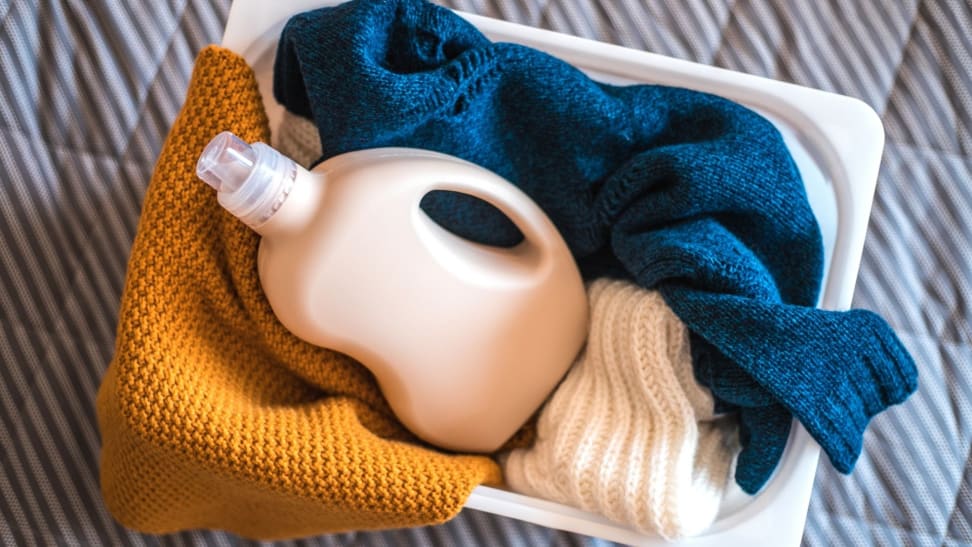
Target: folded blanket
(629, 433)
(212, 415)
(671, 188)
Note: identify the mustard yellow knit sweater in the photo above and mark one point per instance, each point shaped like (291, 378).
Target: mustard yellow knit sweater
(212, 415)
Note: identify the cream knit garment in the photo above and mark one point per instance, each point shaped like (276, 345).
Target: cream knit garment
(298, 139)
(629, 433)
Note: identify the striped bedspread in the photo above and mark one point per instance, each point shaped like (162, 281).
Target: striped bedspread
(89, 88)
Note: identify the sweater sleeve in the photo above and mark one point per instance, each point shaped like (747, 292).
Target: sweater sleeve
(708, 252)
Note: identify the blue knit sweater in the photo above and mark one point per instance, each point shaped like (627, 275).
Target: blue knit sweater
(677, 190)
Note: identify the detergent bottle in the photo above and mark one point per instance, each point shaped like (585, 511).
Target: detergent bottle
(465, 340)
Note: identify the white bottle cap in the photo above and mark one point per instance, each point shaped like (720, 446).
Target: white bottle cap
(252, 181)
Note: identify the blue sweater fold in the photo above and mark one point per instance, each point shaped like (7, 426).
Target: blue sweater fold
(677, 190)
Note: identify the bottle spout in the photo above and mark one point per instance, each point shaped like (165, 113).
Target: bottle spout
(226, 162)
(251, 181)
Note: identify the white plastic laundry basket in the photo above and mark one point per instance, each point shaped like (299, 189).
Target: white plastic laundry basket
(837, 143)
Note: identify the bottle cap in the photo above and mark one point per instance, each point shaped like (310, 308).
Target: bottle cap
(226, 162)
(252, 181)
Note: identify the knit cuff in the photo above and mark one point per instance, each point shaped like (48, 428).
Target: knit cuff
(763, 432)
(832, 370)
(881, 375)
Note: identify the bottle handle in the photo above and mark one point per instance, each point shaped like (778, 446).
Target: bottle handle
(538, 230)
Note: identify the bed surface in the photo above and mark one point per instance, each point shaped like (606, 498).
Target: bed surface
(89, 90)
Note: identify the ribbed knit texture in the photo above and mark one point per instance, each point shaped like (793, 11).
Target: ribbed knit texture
(212, 415)
(670, 188)
(297, 139)
(629, 433)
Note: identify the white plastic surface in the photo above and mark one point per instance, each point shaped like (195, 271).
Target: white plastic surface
(448, 327)
(836, 142)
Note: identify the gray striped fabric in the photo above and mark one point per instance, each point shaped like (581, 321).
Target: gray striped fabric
(88, 90)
